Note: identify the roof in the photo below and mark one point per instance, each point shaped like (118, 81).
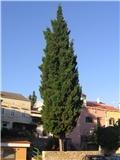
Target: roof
(108, 108)
(14, 143)
(101, 105)
(84, 95)
(15, 96)
(92, 103)
(35, 111)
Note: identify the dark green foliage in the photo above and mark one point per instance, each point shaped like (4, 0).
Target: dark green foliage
(52, 141)
(15, 133)
(9, 133)
(32, 98)
(60, 87)
(108, 137)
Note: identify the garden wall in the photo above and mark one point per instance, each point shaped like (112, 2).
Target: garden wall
(68, 155)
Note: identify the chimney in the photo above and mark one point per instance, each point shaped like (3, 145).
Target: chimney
(83, 97)
(98, 100)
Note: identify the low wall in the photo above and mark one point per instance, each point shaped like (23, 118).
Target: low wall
(68, 155)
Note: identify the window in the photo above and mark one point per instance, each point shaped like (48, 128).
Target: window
(89, 120)
(23, 113)
(2, 111)
(5, 124)
(111, 121)
(12, 112)
(98, 120)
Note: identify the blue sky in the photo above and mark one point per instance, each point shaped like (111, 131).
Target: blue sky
(95, 29)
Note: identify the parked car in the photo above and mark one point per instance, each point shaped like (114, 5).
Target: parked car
(94, 157)
(114, 158)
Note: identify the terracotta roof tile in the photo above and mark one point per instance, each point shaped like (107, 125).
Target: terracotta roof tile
(108, 107)
(101, 105)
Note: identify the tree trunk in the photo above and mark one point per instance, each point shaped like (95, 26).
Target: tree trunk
(60, 144)
(61, 141)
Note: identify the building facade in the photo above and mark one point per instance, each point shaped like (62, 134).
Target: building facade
(15, 110)
(92, 114)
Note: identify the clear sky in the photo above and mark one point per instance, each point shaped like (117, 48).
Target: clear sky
(95, 29)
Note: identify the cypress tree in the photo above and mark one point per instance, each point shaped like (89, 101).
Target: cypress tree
(60, 88)
(32, 98)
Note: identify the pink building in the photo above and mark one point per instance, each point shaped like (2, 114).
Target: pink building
(92, 113)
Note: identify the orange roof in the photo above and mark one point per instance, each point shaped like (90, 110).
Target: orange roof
(92, 103)
(101, 105)
(108, 107)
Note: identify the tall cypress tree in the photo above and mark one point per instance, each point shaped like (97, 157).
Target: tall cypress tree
(60, 88)
(32, 98)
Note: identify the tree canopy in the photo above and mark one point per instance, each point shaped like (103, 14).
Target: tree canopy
(60, 88)
(108, 137)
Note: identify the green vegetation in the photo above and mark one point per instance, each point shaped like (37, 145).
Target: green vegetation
(37, 154)
(108, 138)
(60, 88)
(15, 133)
(32, 98)
(51, 142)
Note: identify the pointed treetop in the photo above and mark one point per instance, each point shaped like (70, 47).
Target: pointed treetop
(59, 11)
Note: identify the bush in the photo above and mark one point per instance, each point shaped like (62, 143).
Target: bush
(14, 133)
(108, 138)
(52, 142)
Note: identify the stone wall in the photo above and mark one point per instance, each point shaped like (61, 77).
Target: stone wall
(68, 155)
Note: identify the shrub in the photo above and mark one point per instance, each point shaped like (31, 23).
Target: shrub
(51, 142)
